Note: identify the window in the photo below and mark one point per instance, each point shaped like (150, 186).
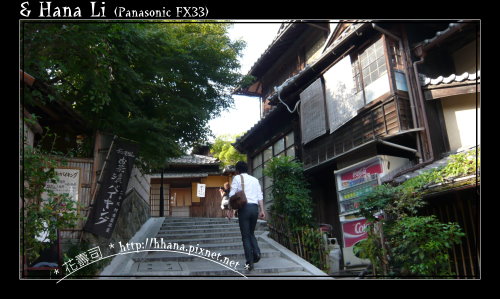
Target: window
(396, 62)
(368, 66)
(268, 153)
(284, 146)
(395, 55)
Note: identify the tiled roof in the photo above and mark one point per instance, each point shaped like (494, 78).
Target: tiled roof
(425, 81)
(172, 175)
(283, 28)
(194, 160)
(442, 32)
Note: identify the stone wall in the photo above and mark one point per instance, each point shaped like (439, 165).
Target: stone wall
(133, 214)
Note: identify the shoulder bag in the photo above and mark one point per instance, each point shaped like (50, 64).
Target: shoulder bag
(239, 199)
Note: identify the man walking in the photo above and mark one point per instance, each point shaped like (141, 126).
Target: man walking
(248, 214)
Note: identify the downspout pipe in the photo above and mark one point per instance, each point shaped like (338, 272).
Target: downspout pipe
(410, 92)
(422, 105)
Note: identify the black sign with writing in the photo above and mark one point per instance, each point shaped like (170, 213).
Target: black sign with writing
(111, 192)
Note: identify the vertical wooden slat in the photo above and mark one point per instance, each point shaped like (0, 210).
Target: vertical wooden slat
(466, 228)
(445, 218)
(463, 254)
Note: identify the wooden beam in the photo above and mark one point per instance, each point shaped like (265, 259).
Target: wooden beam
(436, 93)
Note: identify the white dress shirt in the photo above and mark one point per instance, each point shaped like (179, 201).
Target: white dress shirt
(253, 191)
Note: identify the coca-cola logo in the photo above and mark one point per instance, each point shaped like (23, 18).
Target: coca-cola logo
(359, 173)
(354, 232)
(359, 228)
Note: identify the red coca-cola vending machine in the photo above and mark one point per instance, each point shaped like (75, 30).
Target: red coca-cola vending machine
(353, 182)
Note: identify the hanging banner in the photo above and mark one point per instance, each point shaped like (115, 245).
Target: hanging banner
(111, 192)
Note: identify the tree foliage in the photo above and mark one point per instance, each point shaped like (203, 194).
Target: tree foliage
(225, 152)
(290, 193)
(43, 216)
(404, 242)
(155, 83)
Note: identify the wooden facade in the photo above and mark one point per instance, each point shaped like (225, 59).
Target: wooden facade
(385, 119)
(402, 117)
(180, 180)
(460, 205)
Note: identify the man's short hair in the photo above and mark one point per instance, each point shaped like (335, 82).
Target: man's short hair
(241, 167)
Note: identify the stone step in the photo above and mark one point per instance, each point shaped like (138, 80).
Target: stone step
(200, 235)
(229, 244)
(205, 221)
(194, 241)
(200, 226)
(198, 254)
(175, 231)
(198, 220)
(266, 266)
(218, 236)
(206, 268)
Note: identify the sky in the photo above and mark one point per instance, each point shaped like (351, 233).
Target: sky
(246, 111)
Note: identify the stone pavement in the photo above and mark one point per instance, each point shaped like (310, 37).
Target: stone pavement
(205, 248)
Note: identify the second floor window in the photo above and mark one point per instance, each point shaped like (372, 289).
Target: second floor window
(368, 66)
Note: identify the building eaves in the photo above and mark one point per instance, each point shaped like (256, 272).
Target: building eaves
(314, 69)
(285, 26)
(193, 160)
(453, 78)
(441, 34)
(287, 33)
(396, 178)
(424, 46)
(180, 175)
(255, 127)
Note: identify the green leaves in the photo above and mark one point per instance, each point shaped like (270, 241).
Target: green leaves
(290, 193)
(423, 247)
(415, 245)
(55, 212)
(169, 78)
(225, 152)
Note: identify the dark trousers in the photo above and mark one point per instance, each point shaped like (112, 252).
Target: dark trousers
(247, 217)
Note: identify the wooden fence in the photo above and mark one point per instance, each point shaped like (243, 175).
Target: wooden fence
(306, 242)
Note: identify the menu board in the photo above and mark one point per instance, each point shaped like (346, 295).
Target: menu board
(69, 182)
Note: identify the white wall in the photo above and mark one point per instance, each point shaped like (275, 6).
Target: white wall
(462, 119)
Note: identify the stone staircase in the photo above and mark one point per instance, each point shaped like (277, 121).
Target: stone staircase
(212, 248)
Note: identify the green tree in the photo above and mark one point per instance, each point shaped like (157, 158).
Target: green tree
(155, 83)
(225, 152)
(290, 192)
(43, 215)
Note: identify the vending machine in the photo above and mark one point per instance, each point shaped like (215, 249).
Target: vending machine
(352, 183)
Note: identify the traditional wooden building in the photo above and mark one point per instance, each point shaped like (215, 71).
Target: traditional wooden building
(448, 65)
(180, 182)
(360, 102)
